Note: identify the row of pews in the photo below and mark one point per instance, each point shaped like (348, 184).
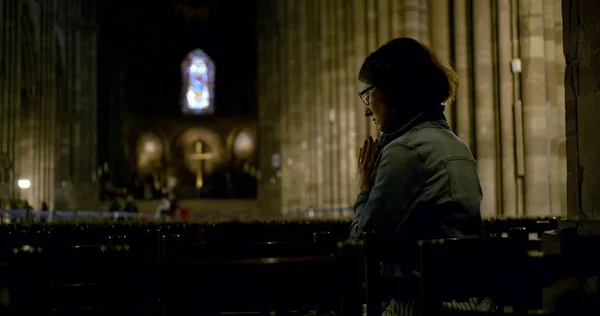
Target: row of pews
(287, 267)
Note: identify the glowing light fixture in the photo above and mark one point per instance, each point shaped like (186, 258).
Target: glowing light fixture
(24, 183)
(243, 145)
(150, 146)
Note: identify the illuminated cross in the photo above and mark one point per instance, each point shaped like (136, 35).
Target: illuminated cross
(199, 156)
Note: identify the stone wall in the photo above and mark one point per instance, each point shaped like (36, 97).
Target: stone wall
(310, 114)
(48, 100)
(582, 82)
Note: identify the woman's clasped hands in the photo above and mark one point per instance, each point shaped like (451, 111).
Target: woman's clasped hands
(366, 163)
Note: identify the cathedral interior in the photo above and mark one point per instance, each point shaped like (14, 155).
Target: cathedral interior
(205, 111)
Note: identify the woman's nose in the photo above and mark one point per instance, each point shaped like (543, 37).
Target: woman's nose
(368, 112)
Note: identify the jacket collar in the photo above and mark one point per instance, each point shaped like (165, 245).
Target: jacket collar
(398, 125)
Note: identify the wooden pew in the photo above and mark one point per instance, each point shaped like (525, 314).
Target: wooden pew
(498, 268)
(236, 276)
(135, 269)
(60, 275)
(503, 269)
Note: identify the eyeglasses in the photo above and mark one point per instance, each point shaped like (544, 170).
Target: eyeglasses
(364, 94)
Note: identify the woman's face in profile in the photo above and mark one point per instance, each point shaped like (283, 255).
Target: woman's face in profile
(377, 109)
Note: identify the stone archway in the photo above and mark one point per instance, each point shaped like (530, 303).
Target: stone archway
(151, 150)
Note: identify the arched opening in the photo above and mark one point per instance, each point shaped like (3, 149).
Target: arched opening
(198, 92)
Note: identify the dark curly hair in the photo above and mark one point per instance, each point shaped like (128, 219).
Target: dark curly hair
(409, 74)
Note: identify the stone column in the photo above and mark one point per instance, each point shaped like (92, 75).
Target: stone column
(28, 87)
(269, 104)
(300, 143)
(411, 19)
(38, 106)
(582, 104)
(352, 106)
(424, 22)
(397, 16)
(77, 99)
(10, 96)
(320, 110)
(382, 30)
(505, 103)
(292, 141)
(263, 80)
(361, 49)
(343, 106)
(328, 102)
(439, 33)
(533, 87)
(286, 155)
(372, 43)
(87, 75)
(309, 70)
(551, 103)
(334, 108)
(485, 127)
(464, 115)
(518, 109)
(560, 104)
(48, 139)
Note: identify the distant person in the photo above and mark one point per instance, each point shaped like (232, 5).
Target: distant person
(419, 181)
(26, 206)
(130, 206)
(163, 207)
(44, 207)
(174, 203)
(114, 206)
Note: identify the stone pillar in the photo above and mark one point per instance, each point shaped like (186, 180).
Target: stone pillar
(372, 43)
(88, 157)
(361, 50)
(309, 42)
(411, 19)
(10, 96)
(397, 16)
(463, 107)
(582, 103)
(335, 117)
(383, 29)
(32, 88)
(424, 22)
(343, 107)
(560, 104)
(505, 103)
(537, 195)
(320, 110)
(48, 132)
(518, 109)
(439, 33)
(269, 104)
(551, 103)
(328, 57)
(287, 161)
(352, 107)
(296, 107)
(485, 121)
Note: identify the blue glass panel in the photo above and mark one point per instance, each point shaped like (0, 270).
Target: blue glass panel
(198, 82)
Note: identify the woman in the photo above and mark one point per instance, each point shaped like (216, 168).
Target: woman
(419, 181)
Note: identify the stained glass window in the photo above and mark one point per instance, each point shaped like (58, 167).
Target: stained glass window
(198, 94)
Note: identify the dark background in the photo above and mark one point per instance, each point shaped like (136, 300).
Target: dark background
(141, 45)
